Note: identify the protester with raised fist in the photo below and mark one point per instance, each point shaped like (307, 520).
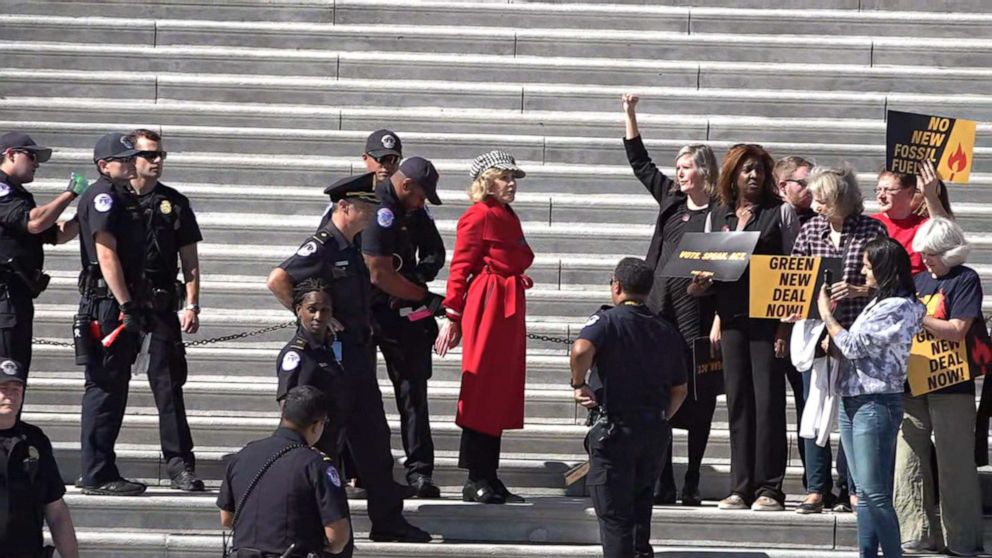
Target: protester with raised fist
(486, 311)
(895, 193)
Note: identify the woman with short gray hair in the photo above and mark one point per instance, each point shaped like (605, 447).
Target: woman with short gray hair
(952, 293)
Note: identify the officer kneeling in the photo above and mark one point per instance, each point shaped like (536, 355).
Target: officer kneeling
(281, 497)
(639, 364)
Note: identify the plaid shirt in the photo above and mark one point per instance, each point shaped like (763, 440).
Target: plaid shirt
(814, 240)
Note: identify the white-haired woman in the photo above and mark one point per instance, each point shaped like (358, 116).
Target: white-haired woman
(952, 293)
(683, 204)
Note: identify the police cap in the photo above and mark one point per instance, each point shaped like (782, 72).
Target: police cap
(354, 188)
(422, 172)
(114, 145)
(12, 371)
(23, 142)
(383, 142)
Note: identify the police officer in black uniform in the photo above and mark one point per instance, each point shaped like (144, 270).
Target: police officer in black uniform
(24, 227)
(639, 375)
(280, 494)
(113, 231)
(31, 487)
(172, 237)
(333, 254)
(404, 252)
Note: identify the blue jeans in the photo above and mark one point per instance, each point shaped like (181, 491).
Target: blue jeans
(869, 425)
(819, 460)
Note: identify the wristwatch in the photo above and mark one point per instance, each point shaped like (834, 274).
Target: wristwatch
(580, 386)
(195, 308)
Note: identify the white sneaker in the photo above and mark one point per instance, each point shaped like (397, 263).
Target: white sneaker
(764, 503)
(732, 502)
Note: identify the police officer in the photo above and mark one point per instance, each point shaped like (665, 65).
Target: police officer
(639, 364)
(280, 494)
(113, 231)
(31, 487)
(172, 237)
(24, 227)
(404, 252)
(333, 254)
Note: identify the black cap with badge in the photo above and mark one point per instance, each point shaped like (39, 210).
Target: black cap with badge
(422, 172)
(114, 145)
(12, 371)
(384, 142)
(23, 142)
(354, 188)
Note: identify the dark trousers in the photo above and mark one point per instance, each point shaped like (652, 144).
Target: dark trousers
(167, 372)
(696, 417)
(16, 326)
(755, 383)
(406, 347)
(818, 463)
(795, 379)
(366, 433)
(479, 453)
(108, 371)
(623, 466)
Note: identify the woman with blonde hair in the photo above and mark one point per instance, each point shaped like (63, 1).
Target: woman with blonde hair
(486, 309)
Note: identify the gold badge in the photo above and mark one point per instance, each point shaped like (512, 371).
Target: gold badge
(165, 207)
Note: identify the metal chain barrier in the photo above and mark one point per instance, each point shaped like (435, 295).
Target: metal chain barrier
(198, 342)
(549, 339)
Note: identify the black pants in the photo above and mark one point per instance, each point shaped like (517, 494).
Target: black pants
(623, 465)
(795, 379)
(366, 433)
(479, 453)
(16, 325)
(167, 372)
(696, 417)
(406, 346)
(755, 385)
(108, 371)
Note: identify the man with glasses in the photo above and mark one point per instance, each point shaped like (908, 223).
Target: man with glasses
(24, 227)
(790, 175)
(113, 309)
(172, 238)
(894, 193)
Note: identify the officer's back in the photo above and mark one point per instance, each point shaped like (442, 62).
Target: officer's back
(298, 500)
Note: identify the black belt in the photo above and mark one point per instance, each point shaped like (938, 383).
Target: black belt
(648, 416)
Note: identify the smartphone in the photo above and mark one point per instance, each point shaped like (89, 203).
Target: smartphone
(828, 279)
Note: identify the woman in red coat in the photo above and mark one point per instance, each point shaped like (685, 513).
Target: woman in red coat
(485, 306)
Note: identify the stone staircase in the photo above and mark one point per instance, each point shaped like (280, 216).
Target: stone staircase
(264, 102)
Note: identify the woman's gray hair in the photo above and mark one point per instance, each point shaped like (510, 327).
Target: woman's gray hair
(944, 238)
(704, 159)
(838, 188)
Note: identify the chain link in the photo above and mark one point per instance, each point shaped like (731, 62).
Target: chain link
(198, 342)
(549, 339)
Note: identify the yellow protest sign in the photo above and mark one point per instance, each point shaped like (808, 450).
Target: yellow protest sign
(784, 286)
(948, 143)
(935, 363)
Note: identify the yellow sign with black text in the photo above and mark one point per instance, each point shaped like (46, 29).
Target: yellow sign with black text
(948, 143)
(786, 286)
(935, 363)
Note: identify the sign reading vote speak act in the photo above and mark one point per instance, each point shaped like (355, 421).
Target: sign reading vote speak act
(724, 255)
(947, 142)
(935, 363)
(784, 286)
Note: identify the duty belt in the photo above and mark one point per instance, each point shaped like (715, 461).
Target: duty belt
(647, 416)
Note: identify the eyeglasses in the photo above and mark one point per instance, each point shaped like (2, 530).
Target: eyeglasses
(31, 154)
(801, 182)
(386, 159)
(152, 155)
(888, 191)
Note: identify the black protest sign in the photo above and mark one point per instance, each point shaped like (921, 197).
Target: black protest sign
(948, 143)
(724, 255)
(706, 380)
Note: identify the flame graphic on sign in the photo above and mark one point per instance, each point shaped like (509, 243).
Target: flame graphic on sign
(957, 162)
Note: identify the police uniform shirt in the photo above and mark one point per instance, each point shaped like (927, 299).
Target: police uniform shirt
(330, 255)
(172, 226)
(304, 362)
(299, 494)
(29, 480)
(16, 242)
(109, 208)
(639, 357)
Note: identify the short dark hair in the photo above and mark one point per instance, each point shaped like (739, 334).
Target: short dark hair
(634, 275)
(144, 133)
(891, 268)
(304, 405)
(307, 286)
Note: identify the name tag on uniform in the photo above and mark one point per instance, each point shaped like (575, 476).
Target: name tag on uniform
(336, 347)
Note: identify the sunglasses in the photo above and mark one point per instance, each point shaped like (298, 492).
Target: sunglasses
(31, 154)
(119, 159)
(152, 155)
(386, 159)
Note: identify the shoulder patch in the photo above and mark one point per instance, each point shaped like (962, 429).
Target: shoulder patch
(333, 476)
(4, 189)
(103, 203)
(290, 361)
(385, 217)
(592, 319)
(308, 249)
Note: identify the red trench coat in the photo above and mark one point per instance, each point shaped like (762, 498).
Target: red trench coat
(486, 294)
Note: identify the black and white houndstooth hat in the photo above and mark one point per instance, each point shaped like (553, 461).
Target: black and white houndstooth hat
(495, 159)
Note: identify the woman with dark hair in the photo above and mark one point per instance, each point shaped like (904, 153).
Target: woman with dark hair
(683, 204)
(753, 349)
(876, 349)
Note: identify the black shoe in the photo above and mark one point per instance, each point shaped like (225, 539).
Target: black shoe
(691, 496)
(119, 487)
(665, 498)
(425, 488)
(482, 492)
(403, 533)
(508, 497)
(79, 481)
(187, 482)
(807, 508)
